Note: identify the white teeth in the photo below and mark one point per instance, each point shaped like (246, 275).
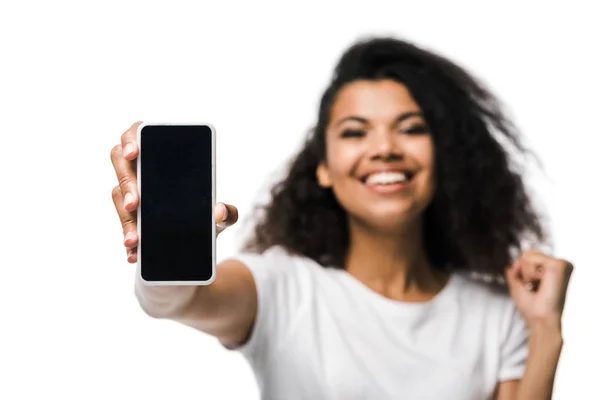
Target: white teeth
(386, 178)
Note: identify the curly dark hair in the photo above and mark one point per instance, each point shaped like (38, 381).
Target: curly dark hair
(480, 216)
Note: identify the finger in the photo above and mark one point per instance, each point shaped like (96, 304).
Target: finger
(558, 274)
(127, 177)
(226, 215)
(568, 269)
(559, 267)
(533, 266)
(516, 287)
(530, 275)
(513, 277)
(544, 264)
(535, 257)
(132, 255)
(555, 283)
(128, 220)
(129, 142)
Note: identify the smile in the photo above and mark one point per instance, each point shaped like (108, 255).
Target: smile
(387, 178)
(388, 181)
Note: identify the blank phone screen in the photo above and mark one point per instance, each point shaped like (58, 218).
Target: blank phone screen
(176, 193)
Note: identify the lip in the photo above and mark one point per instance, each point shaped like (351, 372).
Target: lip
(389, 189)
(408, 172)
(393, 188)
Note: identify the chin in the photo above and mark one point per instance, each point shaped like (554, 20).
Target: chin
(389, 221)
(387, 213)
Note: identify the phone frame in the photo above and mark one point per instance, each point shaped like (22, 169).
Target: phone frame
(139, 208)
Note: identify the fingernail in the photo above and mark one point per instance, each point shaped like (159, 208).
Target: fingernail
(128, 149)
(128, 199)
(225, 213)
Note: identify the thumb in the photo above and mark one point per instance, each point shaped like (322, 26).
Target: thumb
(512, 277)
(225, 216)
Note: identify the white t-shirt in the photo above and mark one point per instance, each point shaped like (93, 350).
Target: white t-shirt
(321, 334)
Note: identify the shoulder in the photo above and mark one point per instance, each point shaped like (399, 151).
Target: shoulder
(284, 284)
(505, 329)
(280, 273)
(481, 286)
(490, 301)
(277, 262)
(477, 292)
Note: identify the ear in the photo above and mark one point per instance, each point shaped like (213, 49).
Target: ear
(323, 175)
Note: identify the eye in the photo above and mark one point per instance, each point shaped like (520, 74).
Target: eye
(352, 133)
(417, 129)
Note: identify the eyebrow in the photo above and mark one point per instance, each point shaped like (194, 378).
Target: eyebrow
(399, 119)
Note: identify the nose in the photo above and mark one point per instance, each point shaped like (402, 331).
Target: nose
(385, 145)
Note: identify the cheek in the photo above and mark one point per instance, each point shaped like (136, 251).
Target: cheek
(427, 161)
(342, 160)
(422, 151)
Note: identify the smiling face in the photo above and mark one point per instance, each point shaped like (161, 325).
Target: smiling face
(380, 156)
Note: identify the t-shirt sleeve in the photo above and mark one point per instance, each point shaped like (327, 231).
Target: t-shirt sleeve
(281, 287)
(514, 347)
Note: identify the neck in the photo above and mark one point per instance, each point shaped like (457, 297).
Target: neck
(394, 264)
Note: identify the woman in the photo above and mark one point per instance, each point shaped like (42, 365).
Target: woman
(358, 280)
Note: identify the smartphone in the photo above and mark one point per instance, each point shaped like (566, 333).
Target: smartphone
(175, 218)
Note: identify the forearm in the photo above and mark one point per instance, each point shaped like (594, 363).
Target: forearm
(163, 301)
(545, 345)
(225, 309)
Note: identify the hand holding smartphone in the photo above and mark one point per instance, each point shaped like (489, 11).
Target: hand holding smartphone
(166, 201)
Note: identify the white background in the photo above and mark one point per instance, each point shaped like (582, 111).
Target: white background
(75, 75)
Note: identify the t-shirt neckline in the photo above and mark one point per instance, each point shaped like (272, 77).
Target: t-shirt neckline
(398, 306)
